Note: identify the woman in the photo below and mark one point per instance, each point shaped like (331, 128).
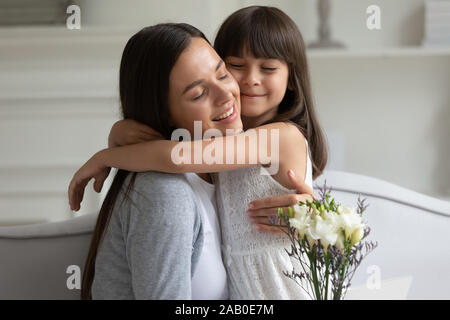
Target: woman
(147, 252)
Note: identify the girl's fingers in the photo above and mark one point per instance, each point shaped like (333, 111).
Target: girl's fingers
(304, 192)
(286, 200)
(72, 194)
(264, 221)
(265, 212)
(300, 186)
(269, 229)
(100, 179)
(80, 196)
(76, 193)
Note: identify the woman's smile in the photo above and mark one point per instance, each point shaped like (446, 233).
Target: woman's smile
(229, 116)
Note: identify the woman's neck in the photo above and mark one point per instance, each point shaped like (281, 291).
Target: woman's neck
(205, 176)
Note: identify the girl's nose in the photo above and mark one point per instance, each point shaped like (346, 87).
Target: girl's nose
(251, 78)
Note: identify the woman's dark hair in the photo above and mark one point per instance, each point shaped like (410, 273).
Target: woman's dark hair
(147, 61)
(267, 32)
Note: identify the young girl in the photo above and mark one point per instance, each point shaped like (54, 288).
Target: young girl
(264, 51)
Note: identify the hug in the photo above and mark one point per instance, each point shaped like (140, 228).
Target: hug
(202, 230)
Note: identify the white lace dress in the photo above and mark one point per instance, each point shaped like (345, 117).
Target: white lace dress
(255, 261)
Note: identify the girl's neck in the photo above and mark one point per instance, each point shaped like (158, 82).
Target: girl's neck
(253, 122)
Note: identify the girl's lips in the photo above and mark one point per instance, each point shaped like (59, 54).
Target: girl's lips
(252, 95)
(231, 117)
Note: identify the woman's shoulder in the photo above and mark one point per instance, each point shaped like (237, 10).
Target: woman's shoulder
(159, 184)
(157, 193)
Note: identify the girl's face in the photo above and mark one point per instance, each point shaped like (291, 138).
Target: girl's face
(201, 89)
(262, 82)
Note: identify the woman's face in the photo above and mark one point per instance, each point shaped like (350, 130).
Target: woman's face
(201, 89)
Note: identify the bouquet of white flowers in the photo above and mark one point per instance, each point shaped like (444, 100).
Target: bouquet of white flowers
(326, 238)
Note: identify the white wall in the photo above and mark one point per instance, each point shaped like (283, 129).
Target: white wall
(386, 117)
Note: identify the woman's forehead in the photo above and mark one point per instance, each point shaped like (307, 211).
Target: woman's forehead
(199, 53)
(196, 62)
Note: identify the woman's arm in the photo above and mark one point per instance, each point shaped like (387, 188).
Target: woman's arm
(162, 249)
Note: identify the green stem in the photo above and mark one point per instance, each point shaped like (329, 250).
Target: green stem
(326, 275)
(314, 274)
(342, 273)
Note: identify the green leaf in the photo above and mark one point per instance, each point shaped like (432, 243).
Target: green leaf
(280, 213)
(290, 212)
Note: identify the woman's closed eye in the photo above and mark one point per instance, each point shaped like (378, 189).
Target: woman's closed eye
(225, 76)
(199, 96)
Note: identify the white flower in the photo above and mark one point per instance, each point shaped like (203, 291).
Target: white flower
(350, 221)
(326, 229)
(300, 210)
(357, 235)
(302, 224)
(301, 220)
(340, 241)
(327, 226)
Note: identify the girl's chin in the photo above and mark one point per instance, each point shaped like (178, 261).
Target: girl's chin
(254, 114)
(254, 111)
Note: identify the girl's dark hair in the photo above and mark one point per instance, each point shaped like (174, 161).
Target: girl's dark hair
(267, 32)
(147, 61)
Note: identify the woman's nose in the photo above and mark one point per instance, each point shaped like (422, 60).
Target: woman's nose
(224, 95)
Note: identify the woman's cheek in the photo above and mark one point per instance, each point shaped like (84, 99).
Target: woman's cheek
(236, 75)
(234, 87)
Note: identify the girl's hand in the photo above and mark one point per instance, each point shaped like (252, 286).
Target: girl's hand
(125, 132)
(259, 211)
(93, 168)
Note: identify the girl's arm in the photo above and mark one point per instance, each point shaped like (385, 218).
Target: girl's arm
(264, 145)
(128, 131)
(280, 145)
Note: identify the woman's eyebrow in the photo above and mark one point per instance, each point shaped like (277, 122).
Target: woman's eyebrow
(197, 82)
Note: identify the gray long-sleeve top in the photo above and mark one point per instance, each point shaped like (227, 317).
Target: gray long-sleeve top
(152, 242)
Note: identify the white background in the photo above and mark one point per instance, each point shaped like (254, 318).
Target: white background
(384, 104)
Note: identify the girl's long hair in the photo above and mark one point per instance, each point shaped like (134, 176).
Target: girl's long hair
(147, 61)
(267, 32)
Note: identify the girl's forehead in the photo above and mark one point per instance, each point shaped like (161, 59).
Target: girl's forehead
(245, 52)
(253, 58)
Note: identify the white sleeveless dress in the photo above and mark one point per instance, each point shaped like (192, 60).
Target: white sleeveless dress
(255, 261)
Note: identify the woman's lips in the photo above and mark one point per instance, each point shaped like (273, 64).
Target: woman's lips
(230, 118)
